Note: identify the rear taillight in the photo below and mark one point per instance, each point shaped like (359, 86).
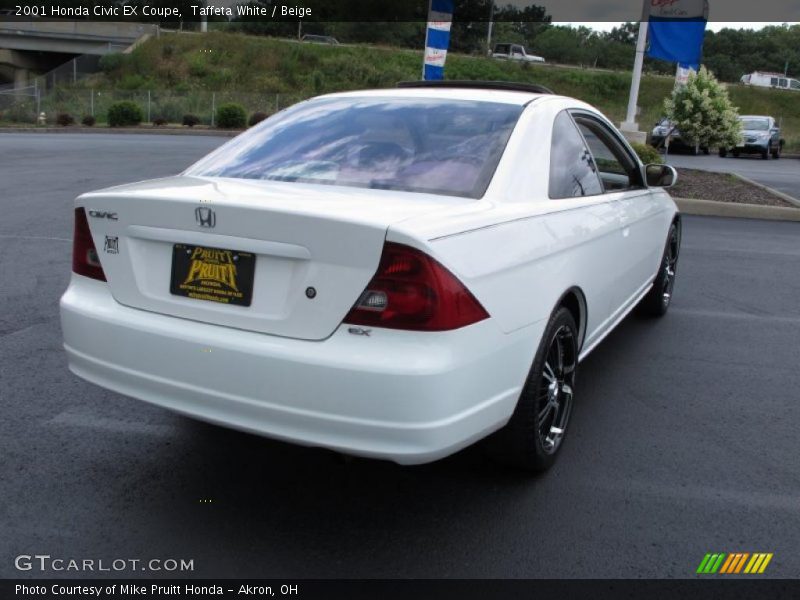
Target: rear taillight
(85, 260)
(413, 291)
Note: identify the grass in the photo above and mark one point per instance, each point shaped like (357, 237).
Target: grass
(261, 73)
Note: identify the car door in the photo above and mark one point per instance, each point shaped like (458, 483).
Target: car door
(575, 182)
(639, 222)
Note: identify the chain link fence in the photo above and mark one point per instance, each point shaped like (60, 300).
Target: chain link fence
(167, 105)
(11, 95)
(64, 91)
(69, 73)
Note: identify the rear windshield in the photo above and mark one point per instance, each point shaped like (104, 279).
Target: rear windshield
(449, 147)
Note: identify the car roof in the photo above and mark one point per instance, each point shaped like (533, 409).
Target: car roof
(519, 98)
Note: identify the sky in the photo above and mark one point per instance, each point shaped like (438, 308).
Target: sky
(713, 26)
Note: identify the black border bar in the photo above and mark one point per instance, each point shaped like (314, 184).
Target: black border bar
(710, 588)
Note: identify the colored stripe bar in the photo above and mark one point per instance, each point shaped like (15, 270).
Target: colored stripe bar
(730, 564)
(765, 563)
(718, 563)
(754, 562)
(741, 562)
(703, 563)
(727, 564)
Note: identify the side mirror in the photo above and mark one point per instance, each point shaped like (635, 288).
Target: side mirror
(661, 175)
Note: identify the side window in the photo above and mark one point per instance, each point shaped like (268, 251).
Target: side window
(617, 169)
(572, 169)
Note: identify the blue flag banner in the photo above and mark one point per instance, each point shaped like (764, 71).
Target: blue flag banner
(437, 39)
(677, 29)
(677, 41)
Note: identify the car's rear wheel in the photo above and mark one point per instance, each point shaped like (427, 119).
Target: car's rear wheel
(657, 301)
(723, 153)
(533, 437)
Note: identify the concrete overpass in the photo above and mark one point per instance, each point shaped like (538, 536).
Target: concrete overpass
(36, 46)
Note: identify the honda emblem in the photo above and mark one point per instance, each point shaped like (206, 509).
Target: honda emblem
(205, 217)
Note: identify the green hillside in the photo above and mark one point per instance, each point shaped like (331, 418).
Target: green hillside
(183, 70)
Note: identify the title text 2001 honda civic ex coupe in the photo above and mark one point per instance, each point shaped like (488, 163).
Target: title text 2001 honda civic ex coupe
(393, 273)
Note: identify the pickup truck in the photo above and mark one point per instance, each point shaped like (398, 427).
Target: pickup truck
(515, 52)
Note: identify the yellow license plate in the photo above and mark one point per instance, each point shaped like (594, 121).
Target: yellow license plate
(212, 274)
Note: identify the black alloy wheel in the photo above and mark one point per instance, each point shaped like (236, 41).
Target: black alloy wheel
(658, 299)
(532, 438)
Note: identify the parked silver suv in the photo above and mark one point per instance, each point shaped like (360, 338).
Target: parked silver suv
(760, 135)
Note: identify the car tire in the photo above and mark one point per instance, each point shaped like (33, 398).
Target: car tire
(776, 154)
(765, 153)
(723, 153)
(657, 301)
(536, 431)
(706, 151)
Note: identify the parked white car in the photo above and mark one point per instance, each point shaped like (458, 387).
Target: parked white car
(391, 273)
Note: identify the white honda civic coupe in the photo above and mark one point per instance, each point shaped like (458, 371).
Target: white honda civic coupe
(392, 273)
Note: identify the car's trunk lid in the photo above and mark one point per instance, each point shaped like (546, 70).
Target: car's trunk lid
(311, 249)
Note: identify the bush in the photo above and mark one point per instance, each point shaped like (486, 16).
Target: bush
(160, 121)
(171, 109)
(112, 62)
(648, 154)
(134, 81)
(703, 112)
(88, 121)
(231, 116)
(65, 119)
(21, 113)
(256, 118)
(124, 114)
(191, 120)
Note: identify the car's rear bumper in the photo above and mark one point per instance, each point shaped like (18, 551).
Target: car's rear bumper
(403, 396)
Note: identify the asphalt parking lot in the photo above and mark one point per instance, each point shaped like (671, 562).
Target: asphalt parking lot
(782, 175)
(684, 438)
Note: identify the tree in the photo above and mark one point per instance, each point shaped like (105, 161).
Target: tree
(626, 34)
(702, 111)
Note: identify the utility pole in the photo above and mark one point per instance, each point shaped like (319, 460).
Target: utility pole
(630, 127)
(491, 26)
